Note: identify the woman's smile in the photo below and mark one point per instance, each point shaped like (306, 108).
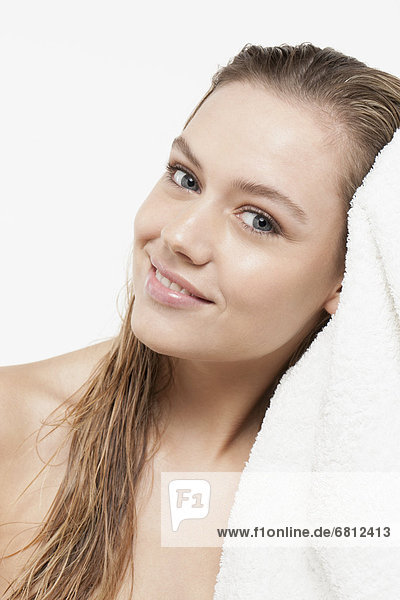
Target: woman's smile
(161, 290)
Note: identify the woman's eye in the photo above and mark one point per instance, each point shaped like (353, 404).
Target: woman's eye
(181, 177)
(267, 224)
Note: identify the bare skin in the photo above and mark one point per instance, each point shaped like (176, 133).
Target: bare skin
(267, 293)
(29, 393)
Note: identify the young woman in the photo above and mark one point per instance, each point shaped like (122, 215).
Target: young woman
(238, 260)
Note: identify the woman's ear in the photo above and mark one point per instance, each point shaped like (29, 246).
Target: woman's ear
(332, 303)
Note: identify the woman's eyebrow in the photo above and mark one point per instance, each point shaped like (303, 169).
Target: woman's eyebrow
(249, 187)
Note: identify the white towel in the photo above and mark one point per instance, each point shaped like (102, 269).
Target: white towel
(337, 409)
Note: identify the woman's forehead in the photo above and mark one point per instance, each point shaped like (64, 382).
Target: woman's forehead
(251, 124)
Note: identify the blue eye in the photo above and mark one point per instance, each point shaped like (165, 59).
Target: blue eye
(189, 177)
(190, 180)
(265, 221)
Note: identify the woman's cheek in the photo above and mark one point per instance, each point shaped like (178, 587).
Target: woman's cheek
(150, 219)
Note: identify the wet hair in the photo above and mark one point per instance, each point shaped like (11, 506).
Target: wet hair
(85, 544)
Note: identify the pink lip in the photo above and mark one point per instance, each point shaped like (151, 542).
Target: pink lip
(162, 294)
(174, 277)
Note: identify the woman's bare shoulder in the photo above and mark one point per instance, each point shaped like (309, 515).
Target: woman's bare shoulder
(30, 391)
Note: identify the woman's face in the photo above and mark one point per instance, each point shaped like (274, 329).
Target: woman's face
(267, 286)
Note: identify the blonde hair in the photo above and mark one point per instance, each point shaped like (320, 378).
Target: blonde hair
(86, 540)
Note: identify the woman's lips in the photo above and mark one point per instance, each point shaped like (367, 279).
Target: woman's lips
(165, 271)
(169, 297)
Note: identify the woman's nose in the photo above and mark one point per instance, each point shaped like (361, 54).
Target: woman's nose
(191, 231)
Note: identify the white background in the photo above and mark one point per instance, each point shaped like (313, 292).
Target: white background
(92, 94)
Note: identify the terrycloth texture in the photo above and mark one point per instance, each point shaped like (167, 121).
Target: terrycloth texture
(337, 409)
